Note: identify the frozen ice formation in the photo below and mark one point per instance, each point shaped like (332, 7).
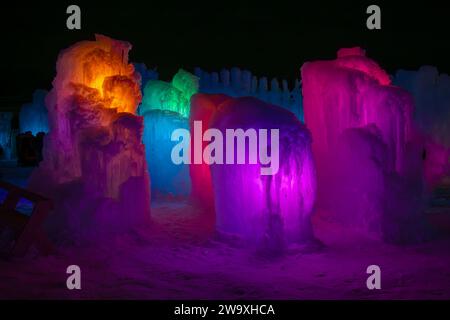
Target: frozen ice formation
(6, 143)
(368, 162)
(166, 176)
(33, 116)
(355, 59)
(241, 83)
(431, 92)
(165, 107)
(269, 211)
(174, 96)
(146, 74)
(94, 163)
(203, 108)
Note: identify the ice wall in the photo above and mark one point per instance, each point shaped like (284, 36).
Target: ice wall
(369, 166)
(431, 92)
(271, 211)
(241, 83)
(94, 161)
(33, 116)
(165, 107)
(6, 135)
(146, 74)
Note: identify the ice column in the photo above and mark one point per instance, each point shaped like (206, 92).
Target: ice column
(369, 169)
(94, 164)
(269, 211)
(203, 108)
(165, 108)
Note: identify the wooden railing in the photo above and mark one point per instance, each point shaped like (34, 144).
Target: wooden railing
(25, 230)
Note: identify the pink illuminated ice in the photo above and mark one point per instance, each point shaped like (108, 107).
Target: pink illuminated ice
(369, 162)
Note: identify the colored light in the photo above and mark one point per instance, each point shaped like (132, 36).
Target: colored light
(203, 108)
(166, 177)
(34, 116)
(369, 164)
(271, 211)
(165, 108)
(174, 96)
(100, 75)
(94, 165)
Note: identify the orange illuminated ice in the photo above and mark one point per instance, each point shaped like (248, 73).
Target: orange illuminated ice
(98, 71)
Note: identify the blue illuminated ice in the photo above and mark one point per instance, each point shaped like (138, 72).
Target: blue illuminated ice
(33, 116)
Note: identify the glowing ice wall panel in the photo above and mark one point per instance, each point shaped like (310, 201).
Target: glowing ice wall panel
(267, 210)
(166, 177)
(33, 116)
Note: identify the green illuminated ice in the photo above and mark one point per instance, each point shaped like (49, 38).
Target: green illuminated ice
(174, 96)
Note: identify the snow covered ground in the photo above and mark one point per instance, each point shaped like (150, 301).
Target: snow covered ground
(181, 257)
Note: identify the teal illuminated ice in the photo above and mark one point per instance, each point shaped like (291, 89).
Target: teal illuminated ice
(165, 107)
(174, 96)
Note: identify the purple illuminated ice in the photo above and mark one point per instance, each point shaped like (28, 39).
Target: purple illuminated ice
(266, 210)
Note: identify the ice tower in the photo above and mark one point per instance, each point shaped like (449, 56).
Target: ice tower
(94, 161)
(165, 108)
(267, 211)
(368, 166)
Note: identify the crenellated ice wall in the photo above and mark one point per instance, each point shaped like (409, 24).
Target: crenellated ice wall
(241, 83)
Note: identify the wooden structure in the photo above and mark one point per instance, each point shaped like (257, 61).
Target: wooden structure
(23, 230)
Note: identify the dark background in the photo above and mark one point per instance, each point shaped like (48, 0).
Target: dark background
(270, 39)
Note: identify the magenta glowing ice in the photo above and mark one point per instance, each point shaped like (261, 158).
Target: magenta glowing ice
(364, 144)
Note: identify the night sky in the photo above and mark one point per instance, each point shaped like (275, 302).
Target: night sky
(272, 39)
